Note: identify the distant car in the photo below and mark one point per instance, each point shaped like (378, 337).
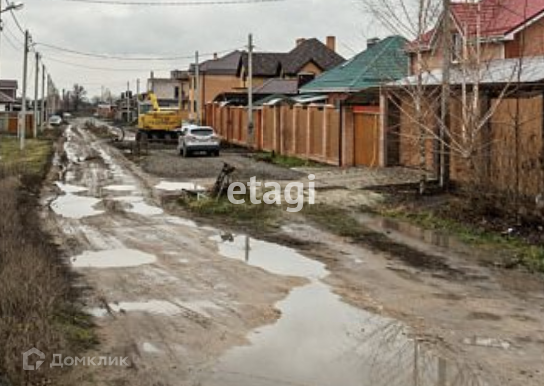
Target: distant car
(66, 117)
(55, 120)
(193, 138)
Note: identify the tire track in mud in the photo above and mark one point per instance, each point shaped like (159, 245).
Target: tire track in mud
(157, 303)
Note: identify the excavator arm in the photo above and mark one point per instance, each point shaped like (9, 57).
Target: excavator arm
(154, 101)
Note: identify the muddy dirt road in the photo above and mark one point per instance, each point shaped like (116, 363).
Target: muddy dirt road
(189, 306)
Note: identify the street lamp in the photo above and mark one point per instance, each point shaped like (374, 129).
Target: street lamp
(10, 7)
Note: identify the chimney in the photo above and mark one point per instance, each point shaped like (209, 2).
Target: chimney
(215, 56)
(331, 42)
(299, 41)
(372, 42)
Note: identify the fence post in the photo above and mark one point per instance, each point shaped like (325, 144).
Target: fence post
(309, 133)
(325, 132)
(296, 112)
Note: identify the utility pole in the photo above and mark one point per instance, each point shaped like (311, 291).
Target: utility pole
(197, 89)
(138, 97)
(445, 103)
(42, 109)
(36, 88)
(127, 101)
(22, 119)
(48, 107)
(250, 124)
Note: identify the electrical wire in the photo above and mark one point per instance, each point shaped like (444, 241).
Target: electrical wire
(113, 57)
(188, 3)
(14, 37)
(46, 57)
(10, 42)
(14, 17)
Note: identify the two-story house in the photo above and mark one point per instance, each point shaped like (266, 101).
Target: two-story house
(228, 74)
(505, 29)
(171, 92)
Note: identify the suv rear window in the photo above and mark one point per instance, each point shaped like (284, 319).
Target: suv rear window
(202, 132)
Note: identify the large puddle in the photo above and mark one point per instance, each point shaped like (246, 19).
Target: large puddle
(320, 340)
(76, 207)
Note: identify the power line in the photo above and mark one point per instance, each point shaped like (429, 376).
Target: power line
(102, 68)
(10, 42)
(189, 3)
(113, 57)
(14, 17)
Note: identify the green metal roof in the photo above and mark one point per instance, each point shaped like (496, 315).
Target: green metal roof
(385, 61)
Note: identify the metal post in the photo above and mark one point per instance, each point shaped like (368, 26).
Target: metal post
(250, 125)
(247, 249)
(42, 109)
(36, 88)
(22, 119)
(197, 89)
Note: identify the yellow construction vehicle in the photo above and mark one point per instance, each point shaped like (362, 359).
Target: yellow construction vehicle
(156, 123)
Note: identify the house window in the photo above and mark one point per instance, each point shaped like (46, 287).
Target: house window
(305, 78)
(176, 92)
(457, 48)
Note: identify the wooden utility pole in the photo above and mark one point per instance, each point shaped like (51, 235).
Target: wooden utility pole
(36, 88)
(445, 103)
(22, 117)
(42, 107)
(250, 123)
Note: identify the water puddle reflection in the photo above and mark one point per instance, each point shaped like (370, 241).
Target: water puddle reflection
(320, 340)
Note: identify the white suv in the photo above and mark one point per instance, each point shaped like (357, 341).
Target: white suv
(195, 138)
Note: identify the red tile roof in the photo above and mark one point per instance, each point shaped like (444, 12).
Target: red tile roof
(495, 18)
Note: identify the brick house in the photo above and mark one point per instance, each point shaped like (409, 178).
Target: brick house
(496, 143)
(228, 74)
(507, 29)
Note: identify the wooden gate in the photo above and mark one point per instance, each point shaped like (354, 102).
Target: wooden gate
(367, 136)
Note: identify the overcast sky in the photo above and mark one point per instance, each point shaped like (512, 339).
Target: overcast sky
(169, 31)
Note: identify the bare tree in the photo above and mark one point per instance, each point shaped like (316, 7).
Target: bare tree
(456, 83)
(78, 96)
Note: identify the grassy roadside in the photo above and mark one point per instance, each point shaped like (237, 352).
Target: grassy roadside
(31, 161)
(283, 160)
(38, 305)
(519, 251)
(244, 216)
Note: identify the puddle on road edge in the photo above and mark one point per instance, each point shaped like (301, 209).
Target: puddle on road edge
(177, 186)
(114, 258)
(320, 340)
(75, 207)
